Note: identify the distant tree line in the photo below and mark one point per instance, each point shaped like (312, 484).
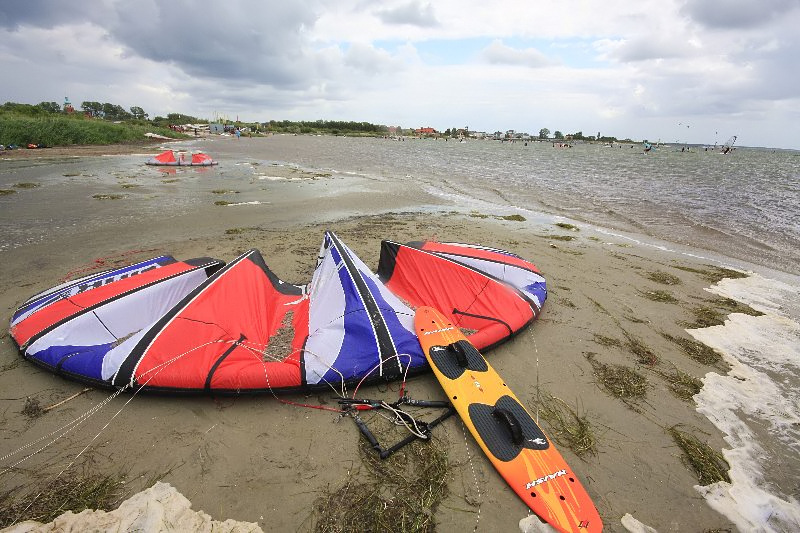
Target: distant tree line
(334, 127)
(98, 110)
(544, 133)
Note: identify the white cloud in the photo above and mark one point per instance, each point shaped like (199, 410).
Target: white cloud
(413, 13)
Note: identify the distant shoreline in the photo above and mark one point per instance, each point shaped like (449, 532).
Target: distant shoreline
(87, 150)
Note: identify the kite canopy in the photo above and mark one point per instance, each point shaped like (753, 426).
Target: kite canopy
(168, 159)
(201, 326)
(71, 328)
(490, 293)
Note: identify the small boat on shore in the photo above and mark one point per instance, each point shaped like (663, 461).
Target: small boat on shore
(168, 159)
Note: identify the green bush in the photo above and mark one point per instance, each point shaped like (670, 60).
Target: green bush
(54, 130)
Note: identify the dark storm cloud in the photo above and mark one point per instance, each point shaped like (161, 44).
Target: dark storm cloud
(739, 14)
(15, 14)
(262, 42)
(244, 41)
(413, 13)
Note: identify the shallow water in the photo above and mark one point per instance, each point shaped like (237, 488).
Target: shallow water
(745, 205)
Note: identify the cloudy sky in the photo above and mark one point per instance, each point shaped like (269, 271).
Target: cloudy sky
(675, 70)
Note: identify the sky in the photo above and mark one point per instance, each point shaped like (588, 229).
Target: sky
(696, 71)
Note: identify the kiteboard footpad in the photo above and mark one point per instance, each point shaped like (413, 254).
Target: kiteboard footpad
(456, 358)
(507, 428)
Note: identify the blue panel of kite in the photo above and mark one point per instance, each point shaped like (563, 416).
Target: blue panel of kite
(81, 360)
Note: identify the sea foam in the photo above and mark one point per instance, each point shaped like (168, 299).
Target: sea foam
(756, 405)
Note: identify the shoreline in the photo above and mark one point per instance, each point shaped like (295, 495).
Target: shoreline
(88, 150)
(596, 309)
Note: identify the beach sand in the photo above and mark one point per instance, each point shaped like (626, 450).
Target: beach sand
(259, 460)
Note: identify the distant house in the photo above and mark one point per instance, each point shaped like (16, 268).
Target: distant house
(425, 131)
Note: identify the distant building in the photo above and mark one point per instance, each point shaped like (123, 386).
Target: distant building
(425, 131)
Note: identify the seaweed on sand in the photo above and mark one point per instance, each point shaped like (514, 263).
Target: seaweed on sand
(107, 196)
(33, 408)
(659, 296)
(715, 313)
(67, 493)
(565, 225)
(400, 493)
(644, 355)
(619, 380)
(664, 278)
(714, 274)
(568, 427)
(696, 350)
(709, 464)
(603, 340)
(683, 385)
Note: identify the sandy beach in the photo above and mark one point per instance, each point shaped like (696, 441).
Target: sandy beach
(611, 301)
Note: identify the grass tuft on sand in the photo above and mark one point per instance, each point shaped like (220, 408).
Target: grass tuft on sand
(709, 464)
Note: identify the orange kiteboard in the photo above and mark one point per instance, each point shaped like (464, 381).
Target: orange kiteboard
(505, 431)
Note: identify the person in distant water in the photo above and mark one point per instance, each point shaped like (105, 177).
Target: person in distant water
(237, 133)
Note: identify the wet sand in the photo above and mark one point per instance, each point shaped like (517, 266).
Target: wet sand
(262, 461)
